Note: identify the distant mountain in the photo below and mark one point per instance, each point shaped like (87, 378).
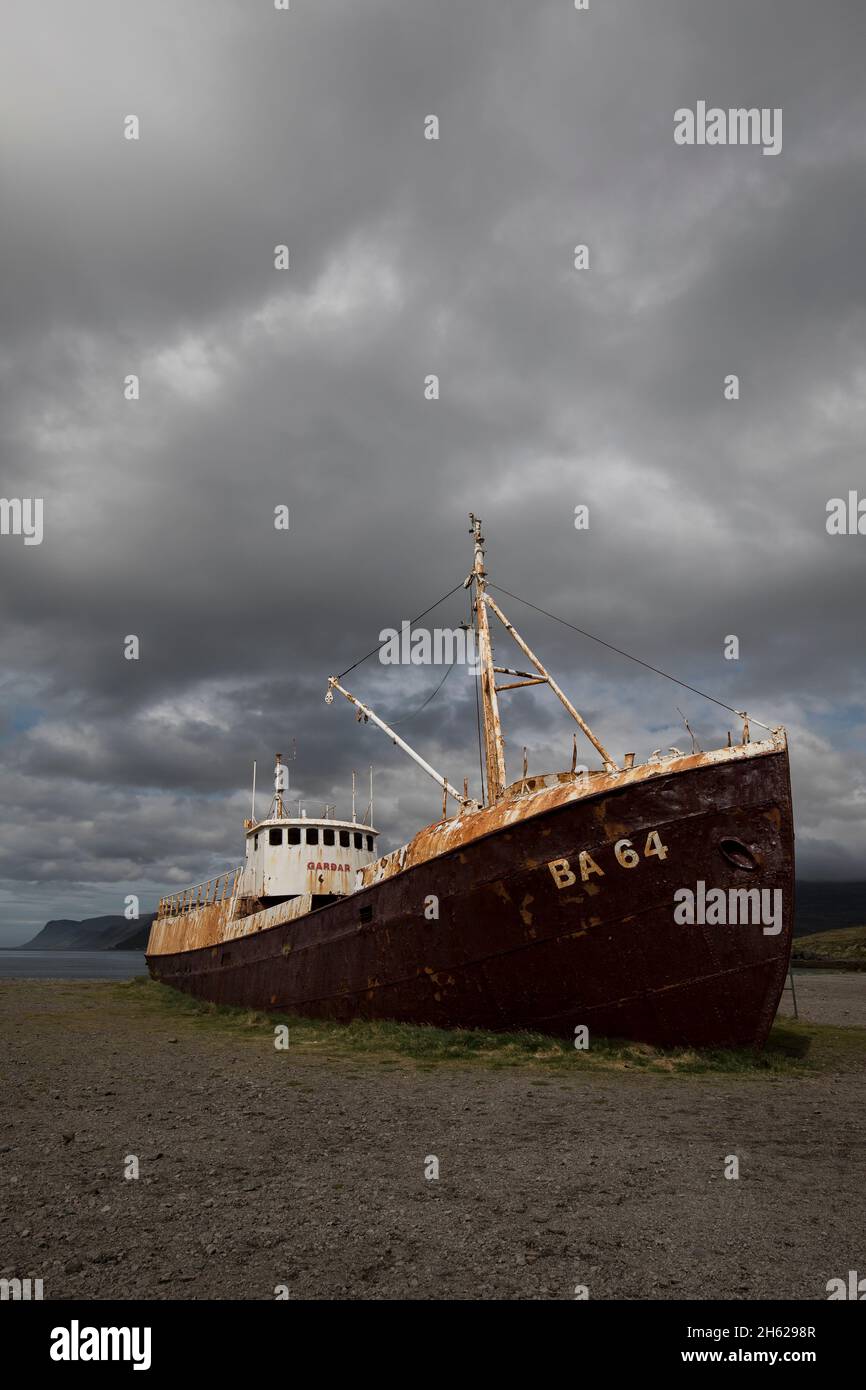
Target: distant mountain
(92, 934)
(138, 940)
(820, 907)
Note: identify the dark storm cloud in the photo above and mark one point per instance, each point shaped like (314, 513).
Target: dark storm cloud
(305, 388)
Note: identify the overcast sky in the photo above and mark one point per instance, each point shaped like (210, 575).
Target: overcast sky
(305, 387)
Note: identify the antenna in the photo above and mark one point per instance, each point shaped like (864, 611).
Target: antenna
(371, 793)
(281, 784)
(354, 817)
(253, 807)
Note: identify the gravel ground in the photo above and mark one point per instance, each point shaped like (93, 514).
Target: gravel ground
(823, 997)
(261, 1168)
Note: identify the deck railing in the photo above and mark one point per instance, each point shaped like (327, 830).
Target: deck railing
(215, 890)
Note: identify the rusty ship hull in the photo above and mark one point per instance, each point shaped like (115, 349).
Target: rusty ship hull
(523, 915)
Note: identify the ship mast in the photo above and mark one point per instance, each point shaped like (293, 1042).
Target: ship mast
(494, 743)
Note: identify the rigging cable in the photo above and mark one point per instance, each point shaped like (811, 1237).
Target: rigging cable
(412, 620)
(395, 724)
(620, 652)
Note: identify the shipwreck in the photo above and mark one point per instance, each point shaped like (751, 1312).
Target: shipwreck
(546, 904)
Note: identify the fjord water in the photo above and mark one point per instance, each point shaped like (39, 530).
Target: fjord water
(71, 965)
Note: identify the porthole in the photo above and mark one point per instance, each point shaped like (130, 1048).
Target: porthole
(738, 854)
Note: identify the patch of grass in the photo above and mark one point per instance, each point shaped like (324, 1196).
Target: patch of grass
(848, 944)
(793, 1048)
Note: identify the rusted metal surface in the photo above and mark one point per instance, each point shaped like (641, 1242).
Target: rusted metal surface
(215, 890)
(521, 685)
(514, 946)
(299, 871)
(540, 794)
(209, 926)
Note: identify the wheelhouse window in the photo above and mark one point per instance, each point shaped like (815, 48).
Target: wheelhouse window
(312, 835)
(344, 839)
(275, 837)
(255, 842)
(359, 840)
(369, 841)
(327, 837)
(293, 835)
